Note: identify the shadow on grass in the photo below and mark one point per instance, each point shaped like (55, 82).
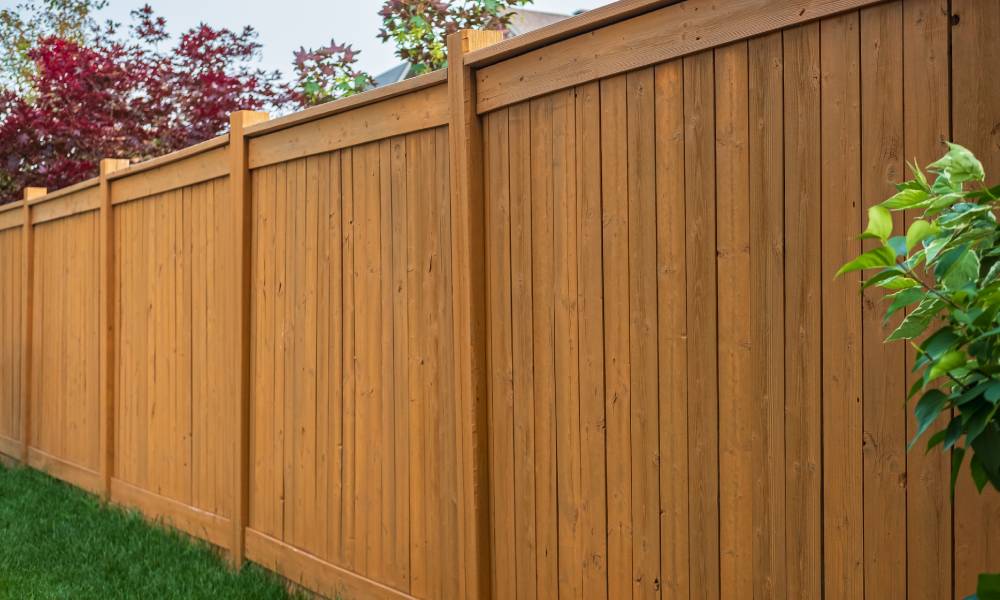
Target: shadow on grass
(59, 542)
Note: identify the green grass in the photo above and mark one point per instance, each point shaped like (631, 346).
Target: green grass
(59, 542)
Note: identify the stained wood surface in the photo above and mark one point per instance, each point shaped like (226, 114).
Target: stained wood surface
(780, 463)
(65, 392)
(11, 332)
(672, 31)
(975, 115)
(352, 362)
(175, 332)
(585, 344)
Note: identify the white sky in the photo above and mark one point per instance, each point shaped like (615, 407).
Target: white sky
(284, 25)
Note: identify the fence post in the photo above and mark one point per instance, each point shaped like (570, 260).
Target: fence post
(469, 260)
(107, 323)
(239, 181)
(27, 311)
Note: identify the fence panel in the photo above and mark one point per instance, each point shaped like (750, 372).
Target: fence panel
(65, 428)
(353, 447)
(672, 360)
(594, 286)
(177, 370)
(11, 326)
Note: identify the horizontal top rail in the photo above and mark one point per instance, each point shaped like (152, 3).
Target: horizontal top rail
(350, 103)
(424, 107)
(11, 206)
(669, 32)
(166, 159)
(560, 30)
(66, 191)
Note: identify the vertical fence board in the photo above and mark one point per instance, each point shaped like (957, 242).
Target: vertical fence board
(841, 214)
(593, 476)
(884, 375)
(501, 377)
(767, 305)
(585, 345)
(926, 126)
(543, 312)
(702, 367)
(976, 125)
(614, 187)
(673, 327)
(565, 322)
(644, 380)
(520, 159)
(803, 312)
(735, 400)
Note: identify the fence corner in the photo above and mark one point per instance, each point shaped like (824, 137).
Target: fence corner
(240, 188)
(106, 328)
(469, 260)
(27, 298)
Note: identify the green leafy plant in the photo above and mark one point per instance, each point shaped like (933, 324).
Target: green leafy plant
(945, 272)
(324, 74)
(419, 28)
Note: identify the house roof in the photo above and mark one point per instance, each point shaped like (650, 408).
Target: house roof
(525, 20)
(522, 21)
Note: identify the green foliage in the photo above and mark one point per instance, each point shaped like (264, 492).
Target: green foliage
(60, 542)
(988, 587)
(326, 73)
(419, 28)
(945, 271)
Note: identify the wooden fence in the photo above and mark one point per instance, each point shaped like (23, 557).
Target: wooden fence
(559, 320)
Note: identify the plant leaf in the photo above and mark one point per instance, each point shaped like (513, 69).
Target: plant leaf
(902, 299)
(992, 393)
(948, 362)
(905, 198)
(919, 231)
(960, 164)
(978, 473)
(881, 276)
(963, 272)
(988, 586)
(927, 410)
(917, 320)
(957, 455)
(879, 223)
(882, 256)
(934, 440)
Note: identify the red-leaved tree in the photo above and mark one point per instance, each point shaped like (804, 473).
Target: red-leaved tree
(131, 96)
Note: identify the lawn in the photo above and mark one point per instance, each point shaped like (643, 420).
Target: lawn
(59, 542)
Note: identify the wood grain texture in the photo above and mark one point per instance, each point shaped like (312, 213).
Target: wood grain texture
(926, 121)
(735, 342)
(803, 232)
(840, 201)
(241, 214)
(672, 31)
(468, 257)
(672, 274)
(351, 395)
(884, 374)
(65, 375)
(176, 324)
(11, 325)
(198, 168)
(975, 114)
(702, 365)
(767, 299)
(422, 109)
(588, 343)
